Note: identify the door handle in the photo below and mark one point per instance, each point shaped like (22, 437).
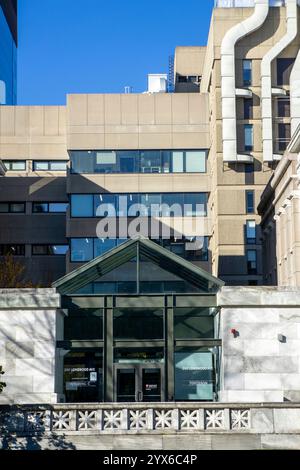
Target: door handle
(139, 396)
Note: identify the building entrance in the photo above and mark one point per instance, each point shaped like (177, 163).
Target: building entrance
(139, 383)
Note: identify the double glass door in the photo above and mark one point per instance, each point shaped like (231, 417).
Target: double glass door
(139, 383)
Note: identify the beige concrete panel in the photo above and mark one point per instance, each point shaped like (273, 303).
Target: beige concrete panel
(155, 141)
(62, 120)
(88, 129)
(231, 201)
(198, 108)
(180, 108)
(49, 151)
(189, 60)
(146, 109)
(162, 129)
(95, 110)
(191, 140)
(120, 141)
(133, 129)
(163, 109)
(112, 106)
(7, 122)
(18, 152)
(189, 128)
(122, 183)
(85, 141)
(77, 110)
(36, 119)
(51, 120)
(21, 120)
(190, 182)
(156, 183)
(129, 109)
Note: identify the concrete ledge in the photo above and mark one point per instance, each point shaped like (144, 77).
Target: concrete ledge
(258, 296)
(23, 299)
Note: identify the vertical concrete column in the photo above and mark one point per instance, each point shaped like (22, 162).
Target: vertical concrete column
(278, 249)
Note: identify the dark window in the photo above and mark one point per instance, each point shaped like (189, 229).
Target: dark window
(15, 165)
(193, 323)
(52, 207)
(284, 136)
(49, 250)
(284, 68)
(247, 72)
(137, 323)
(251, 262)
(12, 207)
(251, 232)
(250, 202)
(252, 283)
(248, 108)
(283, 107)
(248, 137)
(84, 324)
(55, 165)
(249, 168)
(16, 250)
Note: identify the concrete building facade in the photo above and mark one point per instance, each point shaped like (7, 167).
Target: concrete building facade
(151, 147)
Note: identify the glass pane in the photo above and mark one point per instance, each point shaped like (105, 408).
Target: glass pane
(58, 166)
(83, 377)
(193, 323)
(194, 378)
(284, 68)
(172, 205)
(251, 231)
(4, 207)
(195, 162)
(40, 207)
(250, 202)
(138, 356)
(82, 205)
(103, 245)
(17, 166)
(105, 205)
(81, 249)
(40, 166)
(58, 207)
(247, 72)
(143, 323)
(248, 130)
(195, 204)
(128, 161)
(177, 162)
(166, 161)
(126, 385)
(59, 250)
(150, 162)
(151, 385)
(84, 324)
(17, 207)
(106, 162)
(82, 162)
(40, 250)
(120, 280)
(152, 204)
(125, 204)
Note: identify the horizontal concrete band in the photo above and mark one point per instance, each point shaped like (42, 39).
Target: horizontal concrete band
(258, 296)
(24, 299)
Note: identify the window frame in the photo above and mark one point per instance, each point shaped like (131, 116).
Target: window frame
(49, 164)
(12, 162)
(11, 245)
(48, 245)
(252, 193)
(10, 204)
(48, 204)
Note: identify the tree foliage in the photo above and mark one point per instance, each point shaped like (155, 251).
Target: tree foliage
(12, 274)
(2, 384)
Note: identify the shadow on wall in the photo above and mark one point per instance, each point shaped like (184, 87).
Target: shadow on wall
(38, 442)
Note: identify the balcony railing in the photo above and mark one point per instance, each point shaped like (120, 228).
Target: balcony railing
(245, 3)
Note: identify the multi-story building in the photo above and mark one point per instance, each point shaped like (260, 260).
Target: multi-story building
(8, 56)
(214, 142)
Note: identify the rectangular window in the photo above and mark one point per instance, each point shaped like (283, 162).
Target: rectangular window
(139, 324)
(250, 202)
(194, 374)
(50, 165)
(15, 250)
(284, 136)
(105, 205)
(251, 232)
(195, 162)
(283, 107)
(248, 137)
(193, 323)
(84, 324)
(284, 68)
(247, 72)
(137, 161)
(49, 250)
(248, 108)
(251, 262)
(82, 205)
(82, 250)
(12, 207)
(15, 165)
(49, 207)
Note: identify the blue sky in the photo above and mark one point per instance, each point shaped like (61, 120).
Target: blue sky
(99, 46)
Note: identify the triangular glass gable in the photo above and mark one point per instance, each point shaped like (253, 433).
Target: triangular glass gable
(138, 267)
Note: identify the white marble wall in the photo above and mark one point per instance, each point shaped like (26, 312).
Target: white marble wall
(256, 365)
(30, 324)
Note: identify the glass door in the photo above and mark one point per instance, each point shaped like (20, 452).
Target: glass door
(139, 383)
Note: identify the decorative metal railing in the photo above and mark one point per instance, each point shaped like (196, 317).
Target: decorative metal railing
(245, 3)
(115, 419)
